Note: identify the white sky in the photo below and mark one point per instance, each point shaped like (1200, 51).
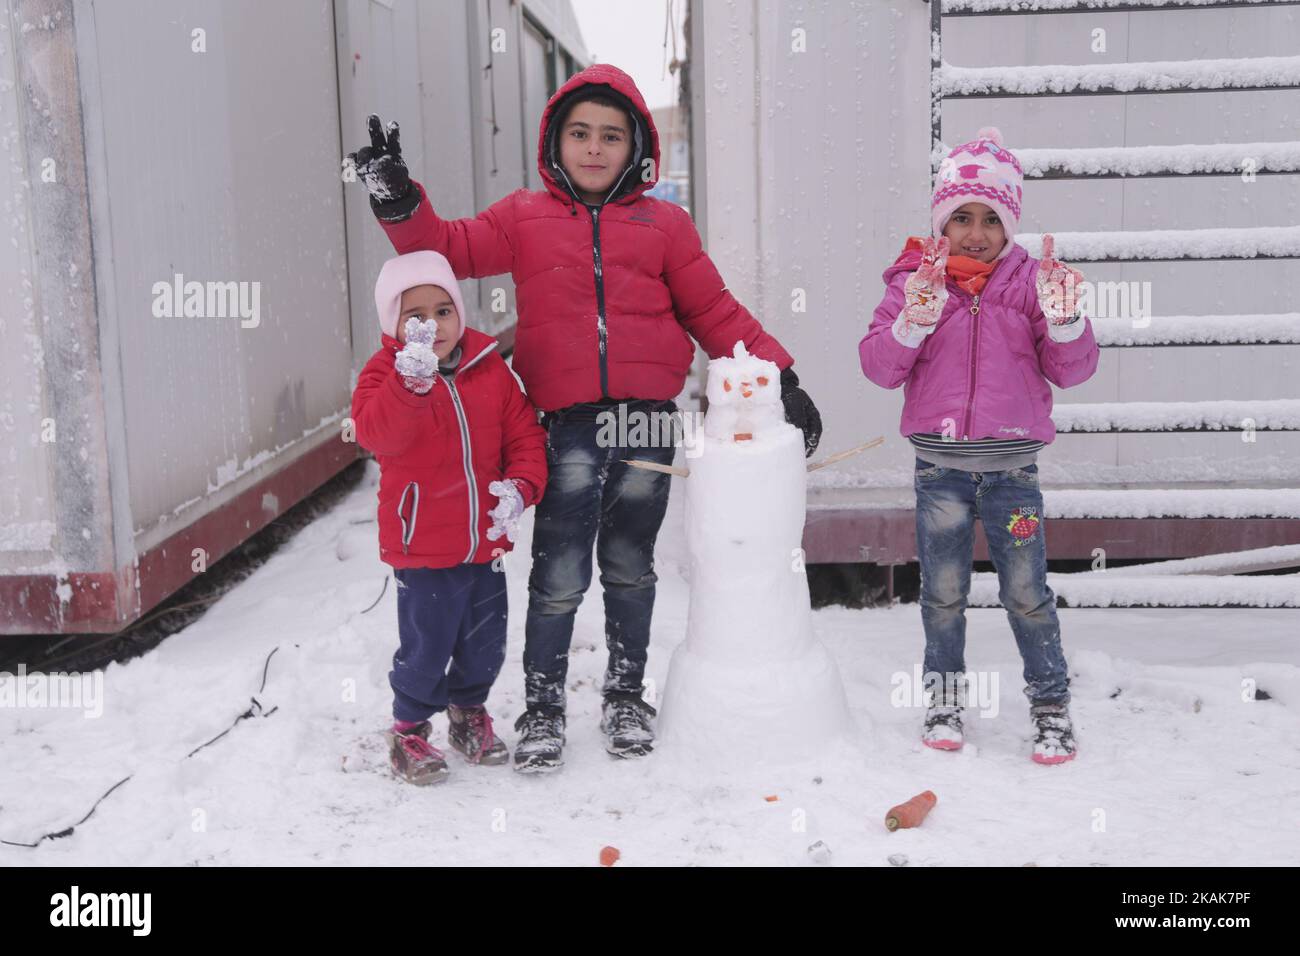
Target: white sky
(630, 35)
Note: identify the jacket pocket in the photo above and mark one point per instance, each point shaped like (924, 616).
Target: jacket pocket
(411, 491)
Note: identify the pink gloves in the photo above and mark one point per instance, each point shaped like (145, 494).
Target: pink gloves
(926, 290)
(924, 294)
(1059, 289)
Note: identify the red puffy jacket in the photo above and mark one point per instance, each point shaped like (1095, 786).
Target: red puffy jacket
(606, 295)
(438, 452)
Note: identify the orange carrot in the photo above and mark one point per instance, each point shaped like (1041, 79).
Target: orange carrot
(609, 855)
(911, 813)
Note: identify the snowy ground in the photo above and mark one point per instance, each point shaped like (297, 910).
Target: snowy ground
(1176, 769)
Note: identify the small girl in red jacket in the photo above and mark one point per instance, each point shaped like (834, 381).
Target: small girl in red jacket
(461, 455)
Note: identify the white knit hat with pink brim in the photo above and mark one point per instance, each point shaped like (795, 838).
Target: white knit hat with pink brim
(406, 272)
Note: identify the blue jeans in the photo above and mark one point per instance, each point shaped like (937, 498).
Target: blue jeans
(592, 498)
(447, 616)
(1010, 506)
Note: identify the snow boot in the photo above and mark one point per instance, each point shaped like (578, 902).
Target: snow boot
(413, 758)
(541, 741)
(943, 728)
(469, 730)
(1053, 733)
(626, 722)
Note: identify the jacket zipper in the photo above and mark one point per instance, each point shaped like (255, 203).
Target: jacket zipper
(467, 451)
(974, 364)
(468, 461)
(601, 331)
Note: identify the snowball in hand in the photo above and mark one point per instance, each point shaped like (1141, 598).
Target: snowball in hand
(417, 358)
(505, 516)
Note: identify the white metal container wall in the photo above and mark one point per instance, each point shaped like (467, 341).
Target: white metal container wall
(27, 518)
(812, 169)
(220, 166)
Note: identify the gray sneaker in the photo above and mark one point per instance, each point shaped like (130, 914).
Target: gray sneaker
(541, 740)
(626, 720)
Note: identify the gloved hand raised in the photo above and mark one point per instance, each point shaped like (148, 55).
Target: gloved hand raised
(926, 291)
(382, 170)
(417, 363)
(510, 507)
(1058, 285)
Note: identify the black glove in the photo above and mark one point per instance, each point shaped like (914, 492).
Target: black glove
(800, 411)
(383, 171)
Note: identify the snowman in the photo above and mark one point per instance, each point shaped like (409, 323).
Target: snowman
(750, 679)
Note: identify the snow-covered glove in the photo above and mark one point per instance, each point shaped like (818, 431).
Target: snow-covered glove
(510, 507)
(800, 411)
(417, 363)
(1059, 288)
(926, 291)
(382, 170)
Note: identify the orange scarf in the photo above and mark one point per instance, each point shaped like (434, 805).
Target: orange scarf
(970, 274)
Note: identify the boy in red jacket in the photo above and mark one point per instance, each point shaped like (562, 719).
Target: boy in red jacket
(609, 299)
(453, 435)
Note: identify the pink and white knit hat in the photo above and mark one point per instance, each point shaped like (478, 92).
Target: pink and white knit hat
(979, 171)
(406, 272)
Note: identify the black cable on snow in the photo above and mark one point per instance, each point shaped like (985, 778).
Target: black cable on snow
(253, 711)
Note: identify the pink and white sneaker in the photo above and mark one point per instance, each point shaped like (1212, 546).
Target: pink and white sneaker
(1053, 733)
(943, 730)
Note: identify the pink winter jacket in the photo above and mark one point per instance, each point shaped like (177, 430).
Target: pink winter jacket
(982, 376)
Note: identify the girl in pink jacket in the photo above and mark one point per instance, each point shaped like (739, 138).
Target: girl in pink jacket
(975, 329)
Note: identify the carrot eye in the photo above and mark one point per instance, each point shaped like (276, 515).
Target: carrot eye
(726, 384)
(762, 380)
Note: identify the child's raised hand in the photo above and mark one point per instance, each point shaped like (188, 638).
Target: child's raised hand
(926, 291)
(1058, 286)
(417, 363)
(380, 165)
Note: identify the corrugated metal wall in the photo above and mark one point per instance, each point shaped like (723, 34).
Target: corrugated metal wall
(203, 140)
(219, 165)
(815, 170)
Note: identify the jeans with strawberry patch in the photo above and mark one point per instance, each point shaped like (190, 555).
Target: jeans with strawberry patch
(1009, 505)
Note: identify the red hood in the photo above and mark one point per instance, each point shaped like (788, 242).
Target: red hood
(620, 82)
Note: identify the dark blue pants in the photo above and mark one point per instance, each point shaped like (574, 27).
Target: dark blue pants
(1010, 506)
(447, 616)
(592, 498)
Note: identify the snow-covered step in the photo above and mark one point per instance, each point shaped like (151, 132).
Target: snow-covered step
(1278, 328)
(960, 8)
(1163, 76)
(1171, 502)
(1170, 245)
(1186, 159)
(1278, 557)
(1092, 589)
(1222, 415)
